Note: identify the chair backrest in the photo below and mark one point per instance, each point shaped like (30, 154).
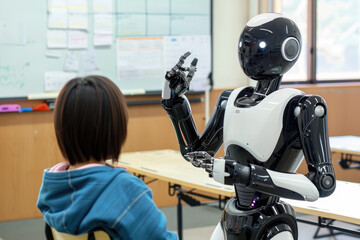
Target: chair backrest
(52, 234)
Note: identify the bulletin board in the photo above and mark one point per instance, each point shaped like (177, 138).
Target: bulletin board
(43, 44)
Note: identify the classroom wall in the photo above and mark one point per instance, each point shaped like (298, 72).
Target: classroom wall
(28, 143)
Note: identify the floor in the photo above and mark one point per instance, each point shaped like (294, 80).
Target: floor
(199, 223)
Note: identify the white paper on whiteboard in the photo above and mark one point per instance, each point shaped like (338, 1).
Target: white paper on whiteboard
(77, 6)
(103, 39)
(103, 24)
(56, 39)
(77, 39)
(102, 6)
(89, 61)
(57, 6)
(71, 63)
(78, 21)
(54, 81)
(53, 53)
(140, 58)
(57, 20)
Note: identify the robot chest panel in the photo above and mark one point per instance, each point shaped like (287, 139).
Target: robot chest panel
(257, 129)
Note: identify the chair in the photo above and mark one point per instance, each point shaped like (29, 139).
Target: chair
(52, 234)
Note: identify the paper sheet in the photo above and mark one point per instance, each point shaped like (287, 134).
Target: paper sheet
(103, 40)
(140, 58)
(54, 81)
(78, 21)
(77, 6)
(89, 61)
(53, 53)
(56, 39)
(103, 24)
(102, 6)
(77, 39)
(57, 20)
(57, 6)
(71, 63)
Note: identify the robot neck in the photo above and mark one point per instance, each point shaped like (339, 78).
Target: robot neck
(262, 89)
(265, 87)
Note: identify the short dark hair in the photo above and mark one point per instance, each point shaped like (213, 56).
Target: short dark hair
(90, 119)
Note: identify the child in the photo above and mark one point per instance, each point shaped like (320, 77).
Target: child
(85, 193)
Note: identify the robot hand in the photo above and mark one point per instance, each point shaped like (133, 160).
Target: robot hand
(176, 81)
(223, 171)
(201, 159)
(229, 172)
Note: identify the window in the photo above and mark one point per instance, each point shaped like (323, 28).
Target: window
(338, 39)
(330, 29)
(297, 11)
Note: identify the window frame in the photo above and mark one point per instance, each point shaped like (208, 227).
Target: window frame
(311, 51)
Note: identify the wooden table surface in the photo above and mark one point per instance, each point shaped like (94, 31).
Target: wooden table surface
(342, 205)
(170, 166)
(345, 144)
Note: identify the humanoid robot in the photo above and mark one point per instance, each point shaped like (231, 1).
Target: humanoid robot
(266, 132)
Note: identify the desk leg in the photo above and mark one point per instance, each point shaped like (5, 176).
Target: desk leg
(179, 216)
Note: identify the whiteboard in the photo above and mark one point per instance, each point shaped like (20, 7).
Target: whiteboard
(28, 57)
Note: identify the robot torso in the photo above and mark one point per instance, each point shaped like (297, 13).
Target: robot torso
(254, 134)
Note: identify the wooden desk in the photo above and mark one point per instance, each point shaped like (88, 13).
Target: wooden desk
(342, 205)
(347, 146)
(171, 167)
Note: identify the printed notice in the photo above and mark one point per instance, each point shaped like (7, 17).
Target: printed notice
(102, 6)
(102, 40)
(78, 21)
(77, 6)
(140, 58)
(56, 39)
(54, 81)
(77, 39)
(57, 6)
(103, 24)
(89, 61)
(71, 63)
(57, 20)
(53, 53)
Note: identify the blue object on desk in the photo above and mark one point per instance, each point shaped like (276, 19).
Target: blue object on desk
(27, 109)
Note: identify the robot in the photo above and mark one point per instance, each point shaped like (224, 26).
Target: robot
(266, 132)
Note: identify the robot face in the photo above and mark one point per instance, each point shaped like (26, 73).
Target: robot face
(268, 46)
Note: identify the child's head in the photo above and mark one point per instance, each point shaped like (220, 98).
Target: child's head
(90, 118)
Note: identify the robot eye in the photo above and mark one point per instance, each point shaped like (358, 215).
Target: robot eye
(290, 49)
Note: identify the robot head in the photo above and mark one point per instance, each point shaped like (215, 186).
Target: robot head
(268, 46)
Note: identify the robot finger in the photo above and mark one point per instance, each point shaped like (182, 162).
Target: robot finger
(178, 64)
(192, 69)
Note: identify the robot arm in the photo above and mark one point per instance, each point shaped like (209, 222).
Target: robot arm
(177, 106)
(311, 114)
(229, 172)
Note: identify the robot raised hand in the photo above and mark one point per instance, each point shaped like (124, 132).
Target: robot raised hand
(178, 82)
(266, 133)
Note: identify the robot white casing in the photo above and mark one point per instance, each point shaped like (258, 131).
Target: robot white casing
(261, 125)
(265, 132)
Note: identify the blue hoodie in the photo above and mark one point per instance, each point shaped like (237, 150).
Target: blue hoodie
(77, 201)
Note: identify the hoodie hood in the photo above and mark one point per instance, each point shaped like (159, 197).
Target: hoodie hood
(70, 199)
